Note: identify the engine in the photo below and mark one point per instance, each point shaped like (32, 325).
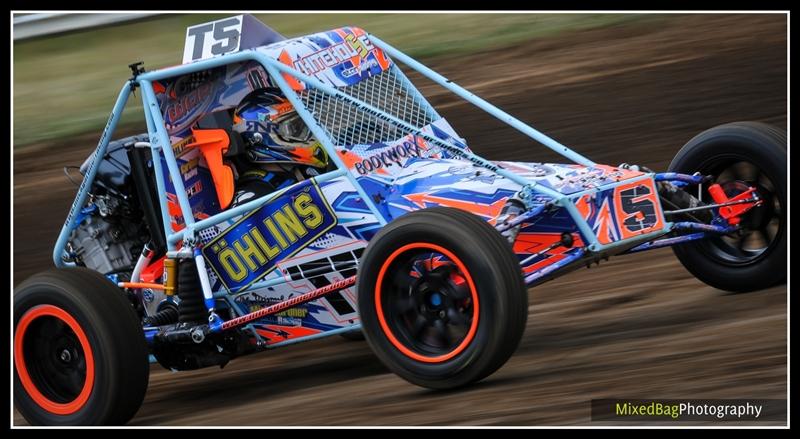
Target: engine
(108, 238)
(112, 228)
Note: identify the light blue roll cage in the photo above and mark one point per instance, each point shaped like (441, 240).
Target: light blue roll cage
(160, 143)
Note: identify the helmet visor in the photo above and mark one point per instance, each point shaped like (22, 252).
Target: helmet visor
(293, 129)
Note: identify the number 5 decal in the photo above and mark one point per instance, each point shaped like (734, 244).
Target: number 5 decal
(637, 208)
(212, 39)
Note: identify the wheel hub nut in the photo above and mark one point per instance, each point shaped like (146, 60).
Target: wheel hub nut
(65, 356)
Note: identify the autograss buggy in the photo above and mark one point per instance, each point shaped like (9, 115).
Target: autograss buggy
(408, 235)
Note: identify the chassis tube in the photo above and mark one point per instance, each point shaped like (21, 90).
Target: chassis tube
(205, 285)
(161, 188)
(250, 206)
(687, 225)
(527, 216)
(482, 104)
(533, 277)
(666, 242)
(88, 179)
(273, 65)
(162, 139)
(701, 231)
(683, 178)
(321, 135)
(142, 262)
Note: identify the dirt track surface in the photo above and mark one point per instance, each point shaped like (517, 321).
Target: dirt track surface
(636, 327)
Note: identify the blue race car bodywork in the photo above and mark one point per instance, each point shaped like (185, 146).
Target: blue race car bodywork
(393, 154)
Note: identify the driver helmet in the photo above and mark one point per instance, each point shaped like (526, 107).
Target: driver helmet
(274, 132)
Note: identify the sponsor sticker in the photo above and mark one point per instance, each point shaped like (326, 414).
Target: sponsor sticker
(251, 248)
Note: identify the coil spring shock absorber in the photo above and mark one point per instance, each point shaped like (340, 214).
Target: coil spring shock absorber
(168, 312)
(191, 307)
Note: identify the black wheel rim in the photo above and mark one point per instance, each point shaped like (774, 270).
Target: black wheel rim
(55, 359)
(760, 228)
(427, 303)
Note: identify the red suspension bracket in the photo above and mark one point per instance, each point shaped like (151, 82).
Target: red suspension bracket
(732, 213)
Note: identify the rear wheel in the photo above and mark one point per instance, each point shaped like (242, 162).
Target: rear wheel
(740, 155)
(441, 298)
(80, 357)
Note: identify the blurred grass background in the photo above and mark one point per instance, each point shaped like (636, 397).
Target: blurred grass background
(66, 84)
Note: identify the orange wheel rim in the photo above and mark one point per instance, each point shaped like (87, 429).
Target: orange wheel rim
(28, 382)
(462, 275)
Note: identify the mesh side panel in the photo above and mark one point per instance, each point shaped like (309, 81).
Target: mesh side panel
(208, 234)
(387, 92)
(346, 125)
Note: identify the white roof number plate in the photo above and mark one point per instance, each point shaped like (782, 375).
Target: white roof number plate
(212, 39)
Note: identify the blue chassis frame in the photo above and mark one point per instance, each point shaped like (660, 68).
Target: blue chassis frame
(159, 143)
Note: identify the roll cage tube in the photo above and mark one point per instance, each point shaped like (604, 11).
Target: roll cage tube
(160, 141)
(88, 179)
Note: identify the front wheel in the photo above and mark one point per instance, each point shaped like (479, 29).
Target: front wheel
(740, 155)
(441, 298)
(80, 357)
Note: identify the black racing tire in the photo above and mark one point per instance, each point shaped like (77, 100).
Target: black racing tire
(79, 348)
(497, 297)
(755, 154)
